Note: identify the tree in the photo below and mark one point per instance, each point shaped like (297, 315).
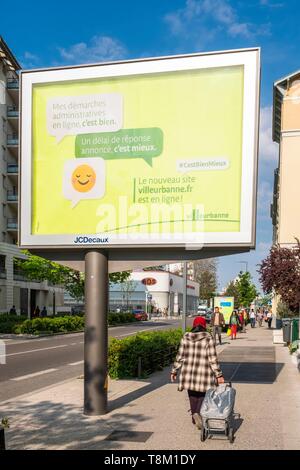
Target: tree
(233, 291)
(205, 273)
(127, 288)
(40, 269)
(265, 300)
(246, 288)
(280, 272)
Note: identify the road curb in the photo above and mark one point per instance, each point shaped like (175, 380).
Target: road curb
(28, 336)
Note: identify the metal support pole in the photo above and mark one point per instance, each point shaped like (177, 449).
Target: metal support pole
(184, 303)
(95, 334)
(146, 303)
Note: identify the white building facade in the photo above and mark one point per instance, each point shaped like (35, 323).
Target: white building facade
(15, 289)
(162, 290)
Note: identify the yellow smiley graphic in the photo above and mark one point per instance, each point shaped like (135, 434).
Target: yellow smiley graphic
(83, 178)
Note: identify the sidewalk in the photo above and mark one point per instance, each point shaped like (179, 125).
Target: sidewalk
(152, 414)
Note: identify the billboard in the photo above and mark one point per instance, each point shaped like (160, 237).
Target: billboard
(226, 306)
(155, 152)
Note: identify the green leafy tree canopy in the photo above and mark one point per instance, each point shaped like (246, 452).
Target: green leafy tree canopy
(40, 269)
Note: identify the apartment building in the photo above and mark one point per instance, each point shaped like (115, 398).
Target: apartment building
(14, 288)
(285, 207)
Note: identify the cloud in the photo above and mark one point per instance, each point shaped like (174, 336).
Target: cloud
(264, 247)
(264, 198)
(268, 150)
(267, 3)
(30, 60)
(98, 49)
(206, 18)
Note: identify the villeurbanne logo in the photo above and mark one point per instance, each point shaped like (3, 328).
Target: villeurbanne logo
(84, 240)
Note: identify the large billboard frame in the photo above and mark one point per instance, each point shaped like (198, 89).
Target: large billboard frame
(250, 58)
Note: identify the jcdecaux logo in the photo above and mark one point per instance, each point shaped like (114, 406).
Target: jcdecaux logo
(87, 240)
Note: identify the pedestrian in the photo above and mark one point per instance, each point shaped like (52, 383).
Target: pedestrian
(13, 310)
(36, 312)
(260, 317)
(252, 318)
(242, 321)
(217, 322)
(200, 369)
(245, 317)
(234, 322)
(44, 312)
(269, 319)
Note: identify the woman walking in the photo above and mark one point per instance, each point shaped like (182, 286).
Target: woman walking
(234, 322)
(200, 369)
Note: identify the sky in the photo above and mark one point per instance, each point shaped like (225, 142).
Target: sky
(54, 33)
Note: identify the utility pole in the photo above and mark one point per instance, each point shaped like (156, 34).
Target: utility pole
(95, 333)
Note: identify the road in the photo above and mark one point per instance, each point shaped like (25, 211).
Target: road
(37, 363)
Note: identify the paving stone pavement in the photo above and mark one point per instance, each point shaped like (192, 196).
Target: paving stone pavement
(152, 414)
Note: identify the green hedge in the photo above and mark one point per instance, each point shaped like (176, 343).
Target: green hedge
(9, 323)
(51, 325)
(115, 318)
(153, 348)
(5, 317)
(61, 324)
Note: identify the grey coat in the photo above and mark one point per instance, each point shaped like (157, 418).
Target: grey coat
(197, 359)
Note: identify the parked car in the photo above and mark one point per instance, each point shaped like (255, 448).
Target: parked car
(208, 315)
(140, 314)
(201, 310)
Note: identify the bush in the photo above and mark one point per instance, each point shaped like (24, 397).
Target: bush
(115, 318)
(51, 325)
(283, 311)
(156, 349)
(9, 323)
(4, 317)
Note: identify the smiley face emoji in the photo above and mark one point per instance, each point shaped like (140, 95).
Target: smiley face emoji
(83, 178)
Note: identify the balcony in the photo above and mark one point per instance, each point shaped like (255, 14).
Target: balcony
(12, 224)
(12, 112)
(12, 84)
(19, 275)
(12, 168)
(12, 196)
(12, 140)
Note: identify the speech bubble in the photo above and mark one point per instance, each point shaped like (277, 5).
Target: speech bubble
(71, 115)
(145, 143)
(202, 164)
(84, 178)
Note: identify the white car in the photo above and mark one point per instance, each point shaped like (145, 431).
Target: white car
(202, 310)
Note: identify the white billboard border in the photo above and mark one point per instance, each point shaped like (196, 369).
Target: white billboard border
(249, 58)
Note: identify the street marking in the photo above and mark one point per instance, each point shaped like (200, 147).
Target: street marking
(35, 374)
(40, 349)
(75, 363)
(235, 371)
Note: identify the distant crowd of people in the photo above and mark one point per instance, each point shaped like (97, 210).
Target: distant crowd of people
(238, 321)
(36, 313)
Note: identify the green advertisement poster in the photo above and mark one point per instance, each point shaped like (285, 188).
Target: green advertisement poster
(226, 306)
(108, 152)
(152, 152)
